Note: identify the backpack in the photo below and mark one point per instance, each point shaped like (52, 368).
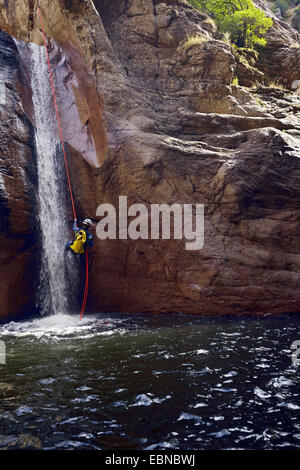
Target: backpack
(79, 242)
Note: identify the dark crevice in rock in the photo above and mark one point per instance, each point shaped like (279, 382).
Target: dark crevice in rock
(31, 16)
(156, 42)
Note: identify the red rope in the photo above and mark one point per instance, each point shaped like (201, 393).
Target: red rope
(57, 114)
(67, 169)
(86, 290)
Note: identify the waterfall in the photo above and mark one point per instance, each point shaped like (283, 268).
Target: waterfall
(52, 191)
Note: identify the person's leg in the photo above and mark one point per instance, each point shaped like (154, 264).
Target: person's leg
(68, 246)
(72, 273)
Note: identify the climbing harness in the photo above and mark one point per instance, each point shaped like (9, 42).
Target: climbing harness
(66, 166)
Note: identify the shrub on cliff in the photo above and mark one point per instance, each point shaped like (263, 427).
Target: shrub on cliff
(282, 5)
(296, 18)
(246, 24)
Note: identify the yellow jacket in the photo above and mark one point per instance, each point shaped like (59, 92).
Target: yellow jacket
(78, 245)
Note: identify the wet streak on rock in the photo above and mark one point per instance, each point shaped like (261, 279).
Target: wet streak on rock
(19, 236)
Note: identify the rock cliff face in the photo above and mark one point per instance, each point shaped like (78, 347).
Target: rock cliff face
(147, 116)
(280, 59)
(19, 253)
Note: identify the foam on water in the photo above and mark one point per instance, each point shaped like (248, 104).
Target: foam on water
(112, 381)
(61, 326)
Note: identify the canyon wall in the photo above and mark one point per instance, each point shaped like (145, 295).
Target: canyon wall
(148, 116)
(19, 228)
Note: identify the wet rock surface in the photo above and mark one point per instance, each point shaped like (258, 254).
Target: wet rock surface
(148, 117)
(19, 233)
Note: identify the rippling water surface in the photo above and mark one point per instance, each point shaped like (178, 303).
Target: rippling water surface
(149, 382)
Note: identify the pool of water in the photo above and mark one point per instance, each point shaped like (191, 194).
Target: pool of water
(150, 382)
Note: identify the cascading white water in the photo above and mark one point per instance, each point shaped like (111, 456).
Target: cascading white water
(53, 289)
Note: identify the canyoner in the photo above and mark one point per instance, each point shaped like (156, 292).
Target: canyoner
(83, 238)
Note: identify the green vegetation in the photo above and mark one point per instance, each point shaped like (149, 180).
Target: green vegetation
(290, 11)
(235, 81)
(245, 23)
(260, 102)
(226, 38)
(283, 6)
(296, 18)
(211, 22)
(277, 85)
(286, 7)
(193, 41)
